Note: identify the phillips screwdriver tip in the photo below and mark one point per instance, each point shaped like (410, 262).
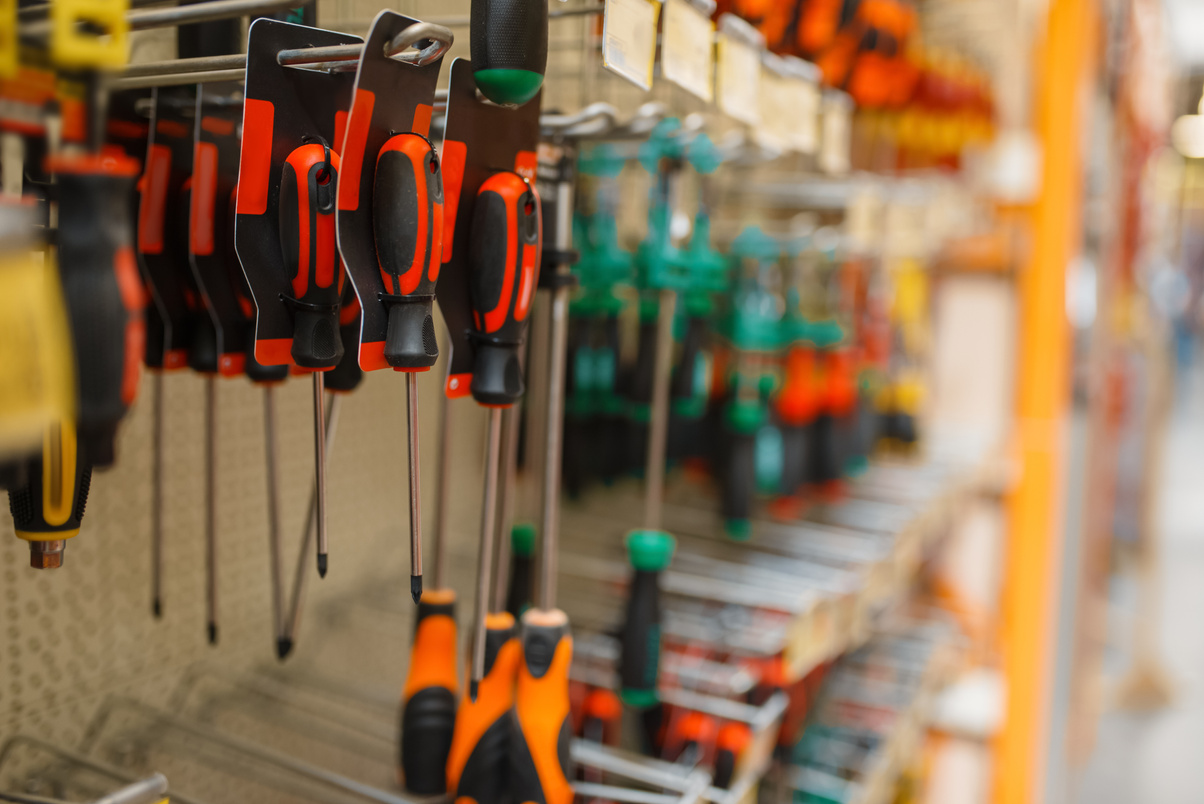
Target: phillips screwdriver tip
(322, 565)
(472, 690)
(157, 608)
(416, 587)
(212, 633)
(284, 646)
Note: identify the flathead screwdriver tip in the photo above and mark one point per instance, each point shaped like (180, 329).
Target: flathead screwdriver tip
(472, 690)
(416, 587)
(212, 633)
(157, 608)
(322, 565)
(284, 646)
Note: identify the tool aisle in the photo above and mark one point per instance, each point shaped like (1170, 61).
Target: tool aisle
(704, 476)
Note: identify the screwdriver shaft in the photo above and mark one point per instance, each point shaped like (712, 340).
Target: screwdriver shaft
(319, 382)
(443, 493)
(506, 495)
(485, 560)
(293, 620)
(415, 496)
(277, 569)
(658, 428)
(211, 504)
(157, 496)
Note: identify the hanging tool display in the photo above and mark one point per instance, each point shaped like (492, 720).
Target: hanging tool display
(285, 233)
(391, 226)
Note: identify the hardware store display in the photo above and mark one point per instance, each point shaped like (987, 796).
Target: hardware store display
(691, 540)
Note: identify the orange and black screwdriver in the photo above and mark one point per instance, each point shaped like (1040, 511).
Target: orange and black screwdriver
(307, 238)
(733, 739)
(504, 252)
(407, 216)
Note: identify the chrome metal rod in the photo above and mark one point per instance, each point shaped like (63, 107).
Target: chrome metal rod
(157, 473)
(485, 557)
(293, 620)
(443, 493)
(415, 494)
(273, 482)
(175, 79)
(200, 64)
(147, 791)
(507, 490)
(550, 521)
(144, 18)
(658, 428)
(319, 383)
(211, 505)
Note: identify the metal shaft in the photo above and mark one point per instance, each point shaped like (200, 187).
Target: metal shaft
(507, 484)
(293, 620)
(157, 496)
(554, 415)
(444, 491)
(658, 428)
(415, 496)
(320, 469)
(211, 504)
(485, 559)
(273, 481)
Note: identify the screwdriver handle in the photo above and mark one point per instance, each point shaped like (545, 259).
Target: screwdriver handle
(522, 568)
(103, 292)
(601, 716)
(739, 484)
(504, 252)
(478, 765)
(407, 219)
(428, 712)
(307, 239)
(540, 764)
(255, 371)
(203, 356)
(346, 376)
(49, 506)
(508, 42)
(650, 552)
(685, 380)
(733, 739)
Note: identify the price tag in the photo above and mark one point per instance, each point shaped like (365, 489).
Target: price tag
(739, 79)
(834, 142)
(629, 39)
(688, 49)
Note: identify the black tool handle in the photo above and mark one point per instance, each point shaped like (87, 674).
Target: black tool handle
(691, 349)
(307, 240)
(104, 294)
(508, 42)
(407, 220)
(504, 250)
(739, 479)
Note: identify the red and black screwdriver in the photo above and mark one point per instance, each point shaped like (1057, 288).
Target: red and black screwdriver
(407, 217)
(307, 238)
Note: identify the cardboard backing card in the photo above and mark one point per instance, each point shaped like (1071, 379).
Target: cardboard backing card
(163, 231)
(210, 226)
(283, 106)
(480, 139)
(391, 97)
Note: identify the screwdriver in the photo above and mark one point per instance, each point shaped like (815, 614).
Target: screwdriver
(730, 745)
(428, 712)
(407, 215)
(340, 381)
(691, 738)
(502, 279)
(307, 196)
(508, 43)
(542, 718)
(48, 508)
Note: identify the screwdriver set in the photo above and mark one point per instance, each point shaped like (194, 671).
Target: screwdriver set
(699, 482)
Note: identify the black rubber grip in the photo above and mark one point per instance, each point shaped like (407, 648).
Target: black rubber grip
(26, 502)
(826, 462)
(725, 769)
(430, 712)
(739, 476)
(795, 453)
(640, 639)
(509, 35)
(640, 388)
(522, 580)
(103, 292)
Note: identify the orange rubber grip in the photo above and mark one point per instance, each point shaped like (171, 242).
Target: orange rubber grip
(429, 699)
(477, 765)
(541, 768)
